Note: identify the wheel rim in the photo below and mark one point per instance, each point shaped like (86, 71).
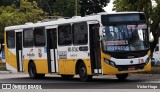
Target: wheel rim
(83, 71)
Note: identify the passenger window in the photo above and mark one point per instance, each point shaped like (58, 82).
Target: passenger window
(39, 34)
(64, 34)
(10, 39)
(80, 33)
(28, 38)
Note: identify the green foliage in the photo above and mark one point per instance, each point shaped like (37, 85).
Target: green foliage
(92, 6)
(46, 5)
(134, 5)
(11, 15)
(7, 2)
(67, 7)
(64, 8)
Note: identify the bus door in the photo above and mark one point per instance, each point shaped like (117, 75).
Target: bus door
(52, 49)
(95, 54)
(19, 51)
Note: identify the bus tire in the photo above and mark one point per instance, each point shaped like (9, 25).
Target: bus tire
(83, 73)
(33, 72)
(122, 77)
(67, 76)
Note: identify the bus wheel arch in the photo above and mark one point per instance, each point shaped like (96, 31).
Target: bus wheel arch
(77, 64)
(33, 71)
(81, 69)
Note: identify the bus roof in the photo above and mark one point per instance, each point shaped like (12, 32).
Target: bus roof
(63, 21)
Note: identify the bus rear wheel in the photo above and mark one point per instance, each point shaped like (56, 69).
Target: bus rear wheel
(33, 72)
(83, 73)
(122, 77)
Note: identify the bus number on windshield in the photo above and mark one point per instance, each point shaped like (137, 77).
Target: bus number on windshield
(114, 48)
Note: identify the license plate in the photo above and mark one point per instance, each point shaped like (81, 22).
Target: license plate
(131, 68)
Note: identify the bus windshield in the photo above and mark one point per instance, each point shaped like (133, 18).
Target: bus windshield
(125, 38)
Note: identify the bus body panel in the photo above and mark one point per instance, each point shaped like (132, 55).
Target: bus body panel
(11, 59)
(26, 62)
(41, 65)
(38, 56)
(10, 55)
(68, 66)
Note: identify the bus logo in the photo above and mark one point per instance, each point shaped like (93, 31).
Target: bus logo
(131, 61)
(62, 54)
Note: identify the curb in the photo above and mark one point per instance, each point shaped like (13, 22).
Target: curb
(5, 72)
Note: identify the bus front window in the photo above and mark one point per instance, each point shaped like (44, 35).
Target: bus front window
(125, 38)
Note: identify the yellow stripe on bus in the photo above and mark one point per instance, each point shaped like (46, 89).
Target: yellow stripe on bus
(10, 58)
(65, 66)
(68, 66)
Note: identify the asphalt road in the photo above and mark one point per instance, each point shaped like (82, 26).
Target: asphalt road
(134, 81)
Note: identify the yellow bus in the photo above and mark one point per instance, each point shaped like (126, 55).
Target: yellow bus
(98, 44)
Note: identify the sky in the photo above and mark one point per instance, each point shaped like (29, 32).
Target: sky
(109, 7)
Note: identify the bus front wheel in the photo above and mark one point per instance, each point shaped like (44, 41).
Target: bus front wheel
(33, 72)
(122, 77)
(83, 73)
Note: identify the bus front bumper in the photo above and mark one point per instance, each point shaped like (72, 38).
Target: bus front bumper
(108, 69)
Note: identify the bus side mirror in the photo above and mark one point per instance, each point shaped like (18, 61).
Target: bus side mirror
(151, 38)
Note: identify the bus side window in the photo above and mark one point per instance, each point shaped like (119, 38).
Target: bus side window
(80, 33)
(39, 34)
(28, 38)
(10, 39)
(64, 34)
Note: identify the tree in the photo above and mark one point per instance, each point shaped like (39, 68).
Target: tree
(92, 6)
(84, 7)
(45, 5)
(11, 15)
(66, 8)
(10, 2)
(152, 14)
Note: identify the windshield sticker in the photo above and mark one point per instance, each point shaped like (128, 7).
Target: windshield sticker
(115, 48)
(116, 42)
(136, 27)
(140, 34)
(111, 28)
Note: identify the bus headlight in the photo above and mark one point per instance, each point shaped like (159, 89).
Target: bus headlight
(110, 62)
(107, 61)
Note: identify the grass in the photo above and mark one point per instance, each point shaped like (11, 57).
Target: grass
(3, 67)
(155, 70)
